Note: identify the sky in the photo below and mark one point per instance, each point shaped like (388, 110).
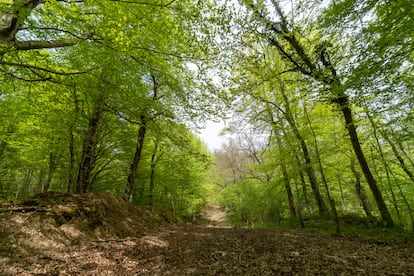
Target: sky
(210, 135)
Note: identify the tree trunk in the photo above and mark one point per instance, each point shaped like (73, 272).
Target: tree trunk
(304, 63)
(130, 187)
(299, 206)
(305, 151)
(401, 147)
(308, 167)
(89, 144)
(152, 175)
(286, 180)
(285, 174)
(52, 168)
(360, 190)
(350, 126)
(71, 162)
(399, 157)
(384, 163)
(305, 192)
(318, 156)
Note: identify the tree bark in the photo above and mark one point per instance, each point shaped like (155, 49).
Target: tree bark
(52, 168)
(372, 183)
(318, 156)
(285, 174)
(152, 175)
(12, 20)
(130, 187)
(305, 192)
(291, 201)
(399, 157)
(360, 190)
(307, 159)
(87, 161)
(71, 162)
(308, 66)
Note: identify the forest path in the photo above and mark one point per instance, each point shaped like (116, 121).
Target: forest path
(133, 241)
(215, 216)
(200, 250)
(190, 250)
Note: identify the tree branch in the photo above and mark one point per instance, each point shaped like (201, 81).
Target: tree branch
(22, 78)
(144, 3)
(40, 44)
(89, 35)
(27, 66)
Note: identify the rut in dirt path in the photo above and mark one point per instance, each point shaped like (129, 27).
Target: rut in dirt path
(215, 216)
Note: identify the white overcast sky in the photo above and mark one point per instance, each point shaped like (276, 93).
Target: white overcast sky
(210, 135)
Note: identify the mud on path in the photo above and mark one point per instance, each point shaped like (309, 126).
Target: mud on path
(31, 246)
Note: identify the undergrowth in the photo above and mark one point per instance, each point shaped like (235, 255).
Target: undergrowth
(351, 226)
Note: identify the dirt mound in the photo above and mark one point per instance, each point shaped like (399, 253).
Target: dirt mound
(50, 224)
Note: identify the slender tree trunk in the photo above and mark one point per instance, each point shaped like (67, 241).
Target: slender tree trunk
(401, 147)
(301, 175)
(89, 145)
(360, 190)
(305, 151)
(286, 180)
(399, 157)
(341, 190)
(404, 197)
(130, 187)
(52, 168)
(372, 183)
(305, 192)
(285, 174)
(309, 169)
(152, 175)
(384, 162)
(305, 64)
(299, 206)
(71, 162)
(41, 182)
(318, 156)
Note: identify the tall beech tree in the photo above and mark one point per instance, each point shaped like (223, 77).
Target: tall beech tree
(315, 63)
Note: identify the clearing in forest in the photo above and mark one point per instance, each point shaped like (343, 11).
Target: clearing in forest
(102, 235)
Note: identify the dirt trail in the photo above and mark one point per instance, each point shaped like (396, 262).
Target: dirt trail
(218, 251)
(30, 248)
(215, 216)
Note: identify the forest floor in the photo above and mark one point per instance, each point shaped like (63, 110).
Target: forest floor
(61, 234)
